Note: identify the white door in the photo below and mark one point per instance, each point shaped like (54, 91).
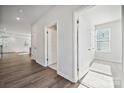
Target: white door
(52, 46)
(85, 55)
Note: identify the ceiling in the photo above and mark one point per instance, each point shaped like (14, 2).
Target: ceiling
(18, 18)
(29, 14)
(103, 13)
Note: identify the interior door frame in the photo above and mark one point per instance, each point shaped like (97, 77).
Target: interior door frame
(46, 42)
(76, 44)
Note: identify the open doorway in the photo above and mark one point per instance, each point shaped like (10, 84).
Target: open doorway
(51, 46)
(99, 46)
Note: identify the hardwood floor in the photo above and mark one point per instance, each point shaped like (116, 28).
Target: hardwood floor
(18, 71)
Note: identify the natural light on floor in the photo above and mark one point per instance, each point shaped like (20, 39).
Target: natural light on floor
(99, 76)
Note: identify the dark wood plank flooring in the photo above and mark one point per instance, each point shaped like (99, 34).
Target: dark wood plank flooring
(18, 71)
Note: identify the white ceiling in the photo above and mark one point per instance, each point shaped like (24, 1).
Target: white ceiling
(103, 14)
(28, 14)
(8, 14)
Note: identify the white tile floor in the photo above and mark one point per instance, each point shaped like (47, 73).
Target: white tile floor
(101, 68)
(102, 74)
(116, 69)
(97, 80)
(81, 86)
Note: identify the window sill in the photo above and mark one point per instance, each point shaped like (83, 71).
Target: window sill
(103, 51)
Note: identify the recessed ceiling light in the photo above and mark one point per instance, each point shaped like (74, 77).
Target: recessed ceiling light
(20, 10)
(18, 18)
(4, 29)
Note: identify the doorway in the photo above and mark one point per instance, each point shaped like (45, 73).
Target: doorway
(98, 55)
(51, 46)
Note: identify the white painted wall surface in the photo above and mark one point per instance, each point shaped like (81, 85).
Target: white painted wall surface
(122, 46)
(17, 45)
(64, 17)
(16, 42)
(34, 43)
(116, 42)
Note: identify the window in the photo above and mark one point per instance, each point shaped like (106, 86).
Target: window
(103, 40)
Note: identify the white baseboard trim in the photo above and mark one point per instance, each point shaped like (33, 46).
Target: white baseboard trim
(40, 63)
(66, 76)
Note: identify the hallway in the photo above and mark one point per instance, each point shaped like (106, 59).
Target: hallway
(62, 42)
(19, 71)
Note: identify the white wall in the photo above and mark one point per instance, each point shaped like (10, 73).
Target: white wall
(107, 14)
(123, 46)
(16, 42)
(116, 42)
(16, 45)
(64, 17)
(34, 42)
